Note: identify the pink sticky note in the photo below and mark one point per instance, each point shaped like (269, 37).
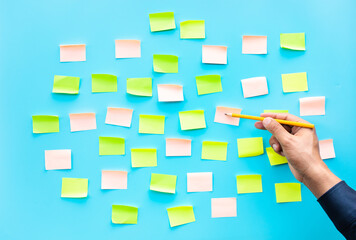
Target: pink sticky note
(200, 182)
(82, 121)
(58, 159)
(223, 207)
(326, 148)
(127, 48)
(220, 116)
(254, 44)
(72, 53)
(113, 179)
(255, 86)
(214, 54)
(119, 116)
(310, 106)
(178, 147)
(170, 93)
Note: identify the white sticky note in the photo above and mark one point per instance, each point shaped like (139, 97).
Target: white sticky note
(311, 106)
(255, 86)
(326, 148)
(200, 182)
(58, 159)
(170, 93)
(214, 54)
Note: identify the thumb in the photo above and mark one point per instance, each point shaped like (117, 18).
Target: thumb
(276, 129)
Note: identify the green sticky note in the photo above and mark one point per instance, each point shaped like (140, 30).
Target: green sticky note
(103, 83)
(194, 119)
(143, 157)
(180, 215)
(288, 192)
(208, 84)
(74, 187)
(275, 111)
(295, 82)
(111, 146)
(122, 214)
(274, 158)
(250, 147)
(214, 150)
(139, 86)
(192, 29)
(45, 124)
(162, 21)
(163, 183)
(165, 63)
(293, 41)
(153, 124)
(66, 84)
(249, 183)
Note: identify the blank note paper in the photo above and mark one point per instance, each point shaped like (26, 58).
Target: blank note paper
(127, 48)
(200, 182)
(45, 124)
(74, 188)
(214, 150)
(254, 44)
(162, 21)
(295, 82)
(72, 53)
(165, 63)
(288, 192)
(143, 157)
(220, 116)
(180, 215)
(249, 183)
(255, 86)
(119, 116)
(58, 159)
(176, 147)
(66, 84)
(250, 147)
(293, 41)
(208, 84)
(111, 146)
(139, 86)
(310, 106)
(122, 214)
(111, 179)
(103, 83)
(274, 158)
(170, 93)
(190, 120)
(326, 148)
(192, 29)
(151, 124)
(82, 121)
(214, 54)
(163, 183)
(223, 207)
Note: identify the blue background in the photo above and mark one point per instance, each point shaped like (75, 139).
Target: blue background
(30, 35)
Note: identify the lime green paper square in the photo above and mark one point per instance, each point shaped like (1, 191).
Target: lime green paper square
(293, 41)
(194, 119)
(151, 124)
(162, 21)
(163, 183)
(45, 124)
(103, 83)
(250, 147)
(295, 82)
(180, 215)
(139, 86)
(275, 111)
(74, 187)
(249, 183)
(165, 63)
(122, 214)
(274, 158)
(192, 29)
(111, 146)
(143, 157)
(208, 84)
(288, 192)
(214, 150)
(66, 84)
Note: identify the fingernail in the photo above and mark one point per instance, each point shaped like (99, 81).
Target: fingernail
(274, 146)
(266, 121)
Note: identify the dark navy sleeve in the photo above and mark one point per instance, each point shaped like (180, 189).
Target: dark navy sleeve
(339, 203)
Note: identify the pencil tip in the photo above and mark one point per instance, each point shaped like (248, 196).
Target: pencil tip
(228, 114)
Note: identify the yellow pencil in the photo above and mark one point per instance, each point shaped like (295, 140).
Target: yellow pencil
(290, 123)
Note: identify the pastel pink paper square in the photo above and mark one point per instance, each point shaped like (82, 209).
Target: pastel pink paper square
(214, 54)
(119, 116)
(255, 86)
(113, 179)
(82, 121)
(311, 106)
(200, 182)
(223, 207)
(326, 148)
(254, 44)
(178, 147)
(72, 53)
(127, 48)
(220, 116)
(58, 159)
(170, 93)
